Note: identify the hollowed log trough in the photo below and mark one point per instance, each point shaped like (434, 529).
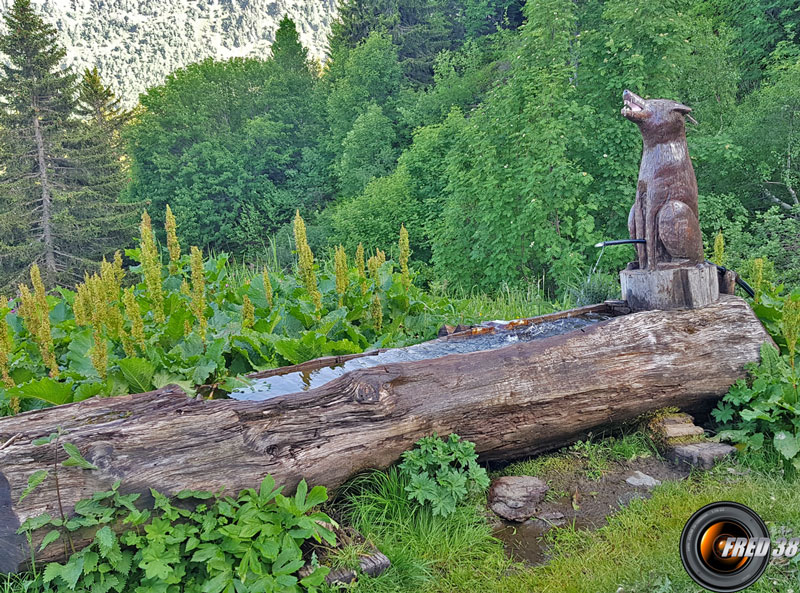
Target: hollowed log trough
(513, 401)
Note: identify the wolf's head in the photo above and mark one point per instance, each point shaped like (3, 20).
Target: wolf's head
(655, 116)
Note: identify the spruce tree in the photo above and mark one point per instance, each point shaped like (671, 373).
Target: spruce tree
(55, 209)
(287, 51)
(99, 143)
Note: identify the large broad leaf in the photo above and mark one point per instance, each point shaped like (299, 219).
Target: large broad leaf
(45, 389)
(787, 444)
(138, 372)
(78, 355)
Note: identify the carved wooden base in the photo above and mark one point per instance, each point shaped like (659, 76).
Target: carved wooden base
(688, 287)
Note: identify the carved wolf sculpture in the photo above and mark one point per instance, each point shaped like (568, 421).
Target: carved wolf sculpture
(665, 211)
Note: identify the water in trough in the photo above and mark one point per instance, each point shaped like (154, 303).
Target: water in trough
(294, 382)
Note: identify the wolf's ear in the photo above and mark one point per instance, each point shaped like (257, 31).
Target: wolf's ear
(681, 108)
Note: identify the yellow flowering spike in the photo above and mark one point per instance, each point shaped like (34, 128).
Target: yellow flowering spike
(376, 312)
(306, 260)
(187, 327)
(342, 281)
(362, 274)
(790, 326)
(79, 305)
(13, 404)
(373, 263)
(719, 249)
(127, 345)
(758, 278)
(185, 289)
(267, 287)
(199, 290)
(173, 246)
(36, 313)
(135, 316)
(98, 354)
(248, 312)
(151, 268)
(405, 253)
(6, 349)
(118, 269)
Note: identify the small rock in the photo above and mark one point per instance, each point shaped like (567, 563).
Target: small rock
(515, 497)
(640, 479)
(673, 431)
(626, 498)
(701, 455)
(553, 518)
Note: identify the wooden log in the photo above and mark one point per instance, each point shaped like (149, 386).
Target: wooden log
(513, 401)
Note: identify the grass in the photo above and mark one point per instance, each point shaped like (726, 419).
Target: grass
(593, 457)
(636, 552)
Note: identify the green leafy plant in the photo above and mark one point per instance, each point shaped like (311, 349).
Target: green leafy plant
(200, 324)
(199, 541)
(763, 409)
(442, 473)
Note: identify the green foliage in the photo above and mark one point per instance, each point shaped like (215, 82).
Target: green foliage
(367, 151)
(515, 203)
(58, 177)
(203, 340)
(232, 147)
(442, 474)
(200, 541)
(764, 408)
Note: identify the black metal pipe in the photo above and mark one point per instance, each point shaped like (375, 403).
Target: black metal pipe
(720, 269)
(744, 285)
(619, 242)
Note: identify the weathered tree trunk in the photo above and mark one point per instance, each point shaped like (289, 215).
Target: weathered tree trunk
(514, 401)
(47, 230)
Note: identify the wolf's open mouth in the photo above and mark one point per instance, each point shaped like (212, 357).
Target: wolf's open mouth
(632, 106)
(633, 103)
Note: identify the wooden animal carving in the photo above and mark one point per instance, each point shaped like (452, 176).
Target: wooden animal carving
(665, 211)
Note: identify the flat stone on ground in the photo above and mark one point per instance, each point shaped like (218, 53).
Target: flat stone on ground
(673, 431)
(637, 478)
(515, 498)
(702, 455)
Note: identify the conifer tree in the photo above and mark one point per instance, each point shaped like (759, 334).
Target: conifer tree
(54, 207)
(287, 51)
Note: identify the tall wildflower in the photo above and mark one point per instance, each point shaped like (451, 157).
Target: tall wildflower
(267, 287)
(376, 312)
(98, 353)
(342, 281)
(405, 253)
(362, 272)
(758, 278)
(134, 314)
(6, 345)
(248, 312)
(719, 249)
(374, 264)
(151, 268)
(790, 326)
(199, 291)
(109, 296)
(173, 246)
(306, 260)
(36, 313)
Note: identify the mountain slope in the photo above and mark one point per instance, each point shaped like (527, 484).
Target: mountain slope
(136, 43)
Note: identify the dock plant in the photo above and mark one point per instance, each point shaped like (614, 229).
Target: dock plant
(200, 324)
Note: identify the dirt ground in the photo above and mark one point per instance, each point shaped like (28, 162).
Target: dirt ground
(585, 500)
